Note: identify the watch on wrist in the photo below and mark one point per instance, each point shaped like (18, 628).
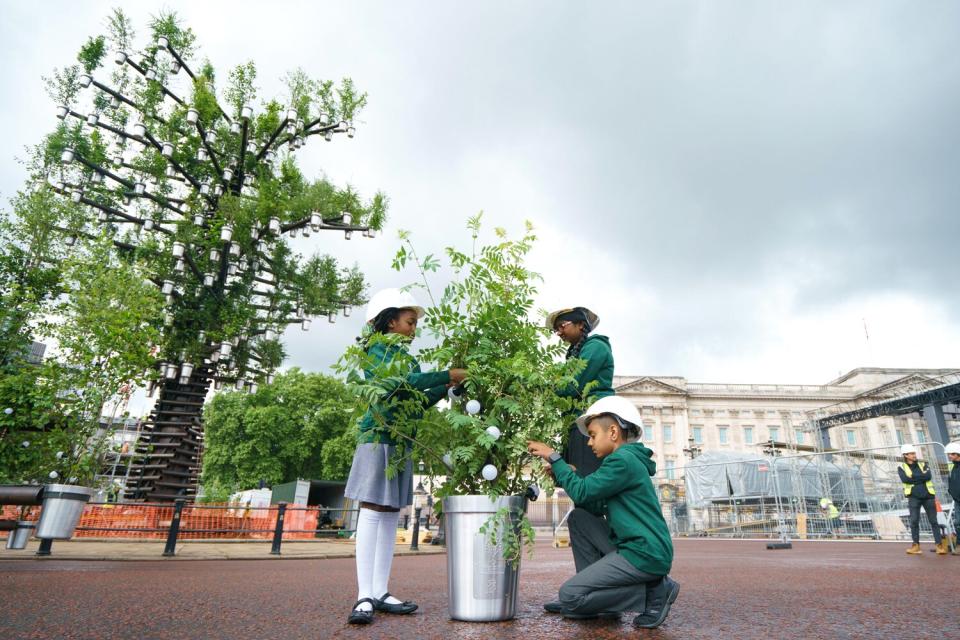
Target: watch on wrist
(554, 457)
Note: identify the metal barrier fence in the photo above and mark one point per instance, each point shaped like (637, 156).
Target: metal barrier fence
(144, 521)
(853, 494)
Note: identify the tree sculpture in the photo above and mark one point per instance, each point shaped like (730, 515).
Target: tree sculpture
(204, 194)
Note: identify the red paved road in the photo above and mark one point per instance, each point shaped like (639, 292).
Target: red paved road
(730, 589)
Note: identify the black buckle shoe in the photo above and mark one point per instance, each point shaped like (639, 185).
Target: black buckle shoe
(553, 606)
(657, 610)
(403, 608)
(359, 616)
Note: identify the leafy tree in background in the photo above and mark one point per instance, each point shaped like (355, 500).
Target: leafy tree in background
(294, 428)
(163, 171)
(97, 309)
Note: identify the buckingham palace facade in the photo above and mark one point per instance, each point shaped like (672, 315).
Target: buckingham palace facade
(683, 418)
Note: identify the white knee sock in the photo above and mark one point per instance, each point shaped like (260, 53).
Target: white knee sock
(386, 540)
(368, 528)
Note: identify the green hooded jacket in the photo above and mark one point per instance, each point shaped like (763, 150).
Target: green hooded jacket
(432, 384)
(599, 356)
(622, 491)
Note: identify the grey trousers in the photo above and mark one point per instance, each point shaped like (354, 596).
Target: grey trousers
(930, 506)
(605, 580)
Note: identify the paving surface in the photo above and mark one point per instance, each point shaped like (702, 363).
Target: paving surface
(730, 589)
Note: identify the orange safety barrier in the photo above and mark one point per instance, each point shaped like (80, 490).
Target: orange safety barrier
(12, 512)
(197, 522)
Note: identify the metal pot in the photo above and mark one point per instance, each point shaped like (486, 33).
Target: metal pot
(482, 585)
(62, 507)
(18, 538)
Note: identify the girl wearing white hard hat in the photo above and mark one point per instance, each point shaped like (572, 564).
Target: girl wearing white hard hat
(574, 325)
(920, 493)
(390, 311)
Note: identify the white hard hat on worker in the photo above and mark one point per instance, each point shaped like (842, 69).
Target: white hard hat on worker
(617, 406)
(392, 299)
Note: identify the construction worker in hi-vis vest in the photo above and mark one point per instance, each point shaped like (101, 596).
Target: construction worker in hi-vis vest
(953, 488)
(918, 489)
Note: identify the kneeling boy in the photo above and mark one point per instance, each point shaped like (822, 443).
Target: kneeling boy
(622, 561)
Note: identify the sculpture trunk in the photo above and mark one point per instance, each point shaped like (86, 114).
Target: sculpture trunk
(170, 449)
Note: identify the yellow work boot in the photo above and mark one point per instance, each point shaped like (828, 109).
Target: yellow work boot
(942, 548)
(915, 550)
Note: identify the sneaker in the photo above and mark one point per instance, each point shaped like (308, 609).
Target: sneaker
(591, 616)
(553, 606)
(658, 606)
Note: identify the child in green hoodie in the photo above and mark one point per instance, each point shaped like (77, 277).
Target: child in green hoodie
(622, 560)
(574, 326)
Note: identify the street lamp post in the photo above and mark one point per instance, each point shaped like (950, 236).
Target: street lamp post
(418, 493)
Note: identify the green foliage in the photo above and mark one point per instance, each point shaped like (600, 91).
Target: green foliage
(120, 30)
(205, 315)
(510, 530)
(296, 427)
(98, 312)
(480, 322)
(91, 54)
(97, 296)
(182, 39)
(240, 88)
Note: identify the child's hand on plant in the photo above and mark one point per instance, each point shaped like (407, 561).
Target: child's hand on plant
(458, 375)
(539, 449)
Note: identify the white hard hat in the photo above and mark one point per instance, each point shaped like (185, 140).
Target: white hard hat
(953, 447)
(907, 448)
(392, 299)
(618, 406)
(592, 318)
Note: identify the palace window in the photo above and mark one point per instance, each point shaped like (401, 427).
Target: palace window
(668, 433)
(748, 435)
(851, 438)
(723, 435)
(698, 435)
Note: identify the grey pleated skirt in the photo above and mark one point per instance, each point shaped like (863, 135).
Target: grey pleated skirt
(368, 481)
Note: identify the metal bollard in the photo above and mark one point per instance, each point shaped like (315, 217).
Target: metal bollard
(278, 530)
(415, 543)
(171, 548)
(46, 544)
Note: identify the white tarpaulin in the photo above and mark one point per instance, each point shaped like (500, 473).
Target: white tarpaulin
(720, 474)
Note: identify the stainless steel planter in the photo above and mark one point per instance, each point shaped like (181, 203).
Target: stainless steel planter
(482, 585)
(62, 507)
(17, 539)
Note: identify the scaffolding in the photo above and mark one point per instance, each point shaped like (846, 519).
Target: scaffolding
(853, 493)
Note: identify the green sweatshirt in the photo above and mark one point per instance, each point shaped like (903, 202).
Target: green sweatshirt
(596, 351)
(622, 491)
(432, 384)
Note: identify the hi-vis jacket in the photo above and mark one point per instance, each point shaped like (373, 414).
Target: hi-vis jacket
(923, 477)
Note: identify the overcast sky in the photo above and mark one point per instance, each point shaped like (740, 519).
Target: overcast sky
(736, 188)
